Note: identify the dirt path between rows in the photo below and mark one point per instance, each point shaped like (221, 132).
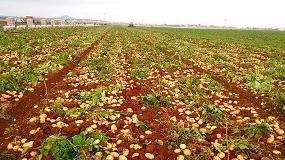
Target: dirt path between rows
(25, 107)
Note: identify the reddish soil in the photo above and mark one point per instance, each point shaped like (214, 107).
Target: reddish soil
(157, 120)
(245, 99)
(24, 109)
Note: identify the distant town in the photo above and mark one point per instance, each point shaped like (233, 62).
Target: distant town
(27, 22)
(15, 22)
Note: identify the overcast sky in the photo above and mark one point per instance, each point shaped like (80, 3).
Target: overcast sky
(239, 13)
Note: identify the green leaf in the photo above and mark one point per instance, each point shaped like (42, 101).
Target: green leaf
(175, 135)
(141, 125)
(160, 142)
(78, 140)
(243, 146)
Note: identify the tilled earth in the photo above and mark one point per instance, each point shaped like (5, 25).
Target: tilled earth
(133, 106)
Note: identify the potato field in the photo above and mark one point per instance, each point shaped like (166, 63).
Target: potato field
(139, 93)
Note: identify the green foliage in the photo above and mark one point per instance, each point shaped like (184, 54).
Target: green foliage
(98, 65)
(137, 62)
(12, 80)
(29, 52)
(212, 84)
(257, 82)
(211, 110)
(2, 65)
(146, 142)
(6, 156)
(241, 141)
(158, 48)
(148, 59)
(240, 144)
(190, 90)
(150, 100)
(141, 125)
(59, 147)
(220, 148)
(75, 43)
(165, 100)
(256, 130)
(27, 49)
(139, 73)
(227, 72)
(58, 107)
(94, 97)
(103, 115)
(155, 100)
(270, 40)
(179, 134)
(62, 58)
(86, 139)
(276, 67)
(45, 68)
(277, 72)
(75, 111)
(168, 62)
(16, 80)
(4, 115)
(104, 52)
(159, 142)
(131, 139)
(189, 53)
(2, 49)
(220, 57)
(278, 97)
(29, 74)
(64, 149)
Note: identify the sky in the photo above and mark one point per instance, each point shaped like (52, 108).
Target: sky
(234, 13)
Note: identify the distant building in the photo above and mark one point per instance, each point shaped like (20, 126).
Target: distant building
(57, 22)
(73, 22)
(61, 22)
(10, 21)
(43, 21)
(29, 20)
(3, 21)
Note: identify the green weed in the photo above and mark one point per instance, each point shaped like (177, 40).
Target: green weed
(258, 83)
(155, 100)
(104, 115)
(139, 73)
(58, 107)
(141, 125)
(220, 57)
(213, 111)
(94, 97)
(62, 148)
(182, 135)
(256, 130)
